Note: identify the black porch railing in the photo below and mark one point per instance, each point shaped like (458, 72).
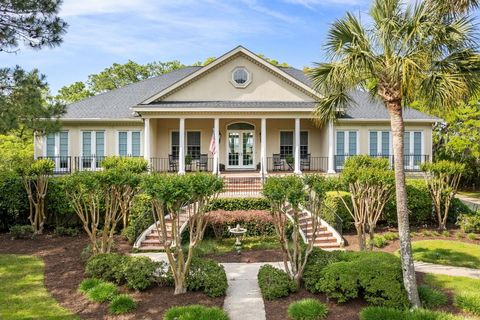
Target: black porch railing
(306, 164)
(63, 164)
(84, 163)
(171, 165)
(412, 162)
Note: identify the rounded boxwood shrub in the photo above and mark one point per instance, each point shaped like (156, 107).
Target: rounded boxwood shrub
(317, 260)
(139, 219)
(307, 309)
(106, 266)
(88, 284)
(274, 283)
(102, 292)
(195, 312)
(208, 276)
(140, 273)
(121, 304)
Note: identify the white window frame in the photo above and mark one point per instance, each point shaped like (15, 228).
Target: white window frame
(93, 143)
(346, 144)
(129, 142)
(56, 150)
(411, 148)
(185, 140)
(379, 142)
(240, 85)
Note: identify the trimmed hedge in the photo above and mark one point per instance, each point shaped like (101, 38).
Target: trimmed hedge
(208, 276)
(140, 217)
(195, 312)
(274, 283)
(106, 266)
(334, 204)
(232, 204)
(317, 260)
(257, 223)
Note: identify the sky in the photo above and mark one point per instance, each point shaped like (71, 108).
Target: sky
(102, 32)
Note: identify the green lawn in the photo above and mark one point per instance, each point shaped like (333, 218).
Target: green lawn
(471, 194)
(451, 253)
(466, 291)
(22, 292)
(209, 246)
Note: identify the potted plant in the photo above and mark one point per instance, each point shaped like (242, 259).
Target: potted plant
(188, 161)
(289, 160)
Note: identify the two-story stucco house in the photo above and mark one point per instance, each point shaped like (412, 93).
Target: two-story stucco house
(238, 113)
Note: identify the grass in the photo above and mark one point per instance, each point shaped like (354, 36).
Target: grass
(466, 291)
(382, 313)
(209, 246)
(22, 291)
(307, 309)
(451, 253)
(195, 312)
(471, 194)
(102, 292)
(121, 304)
(431, 298)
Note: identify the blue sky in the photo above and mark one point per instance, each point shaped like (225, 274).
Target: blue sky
(102, 32)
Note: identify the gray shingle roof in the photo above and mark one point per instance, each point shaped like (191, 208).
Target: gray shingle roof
(117, 104)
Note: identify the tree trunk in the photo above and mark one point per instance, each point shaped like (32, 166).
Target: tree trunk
(408, 268)
(180, 286)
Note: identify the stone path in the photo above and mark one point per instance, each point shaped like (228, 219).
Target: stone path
(447, 270)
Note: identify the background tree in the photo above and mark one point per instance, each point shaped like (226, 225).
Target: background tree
(75, 92)
(35, 178)
(407, 52)
(32, 22)
(442, 178)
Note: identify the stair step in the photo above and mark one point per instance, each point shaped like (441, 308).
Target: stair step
(319, 234)
(325, 240)
(326, 246)
(151, 248)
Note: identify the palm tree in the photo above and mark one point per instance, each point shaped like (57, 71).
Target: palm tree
(406, 52)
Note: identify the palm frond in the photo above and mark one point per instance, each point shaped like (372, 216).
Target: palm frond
(330, 106)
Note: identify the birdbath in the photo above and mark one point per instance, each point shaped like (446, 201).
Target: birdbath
(238, 233)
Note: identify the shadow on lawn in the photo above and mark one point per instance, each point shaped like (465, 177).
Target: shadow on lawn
(446, 257)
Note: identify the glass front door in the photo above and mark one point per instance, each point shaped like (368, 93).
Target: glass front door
(241, 149)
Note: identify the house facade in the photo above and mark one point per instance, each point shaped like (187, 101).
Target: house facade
(237, 114)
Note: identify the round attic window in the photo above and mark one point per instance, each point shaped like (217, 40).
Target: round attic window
(240, 77)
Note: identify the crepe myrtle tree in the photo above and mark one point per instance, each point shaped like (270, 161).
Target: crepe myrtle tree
(176, 198)
(371, 185)
(406, 51)
(130, 171)
(94, 197)
(286, 196)
(35, 176)
(443, 178)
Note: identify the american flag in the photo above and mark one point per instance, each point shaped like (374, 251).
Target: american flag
(213, 145)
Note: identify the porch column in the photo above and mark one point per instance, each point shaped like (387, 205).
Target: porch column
(331, 148)
(216, 137)
(263, 147)
(146, 139)
(297, 147)
(181, 148)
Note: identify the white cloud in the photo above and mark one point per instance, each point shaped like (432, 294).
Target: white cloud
(311, 4)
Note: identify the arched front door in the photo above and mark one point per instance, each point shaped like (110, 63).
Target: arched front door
(240, 146)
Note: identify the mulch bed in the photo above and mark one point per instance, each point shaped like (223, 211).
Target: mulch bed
(64, 272)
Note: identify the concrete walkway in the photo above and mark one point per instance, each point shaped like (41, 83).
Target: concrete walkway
(472, 203)
(447, 270)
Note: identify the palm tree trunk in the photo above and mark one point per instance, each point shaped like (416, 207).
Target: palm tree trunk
(398, 129)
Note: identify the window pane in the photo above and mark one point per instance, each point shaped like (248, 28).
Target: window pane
(417, 143)
(406, 143)
(352, 143)
(99, 143)
(51, 145)
(385, 142)
(136, 144)
(175, 143)
(63, 143)
(373, 143)
(340, 142)
(87, 143)
(304, 138)
(286, 138)
(193, 144)
(122, 143)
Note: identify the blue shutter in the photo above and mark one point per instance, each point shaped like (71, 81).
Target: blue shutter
(417, 148)
(352, 143)
(373, 143)
(406, 149)
(385, 143)
(340, 143)
(122, 143)
(136, 144)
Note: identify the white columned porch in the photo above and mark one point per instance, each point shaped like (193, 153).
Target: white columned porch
(146, 139)
(216, 136)
(181, 147)
(297, 147)
(331, 148)
(263, 146)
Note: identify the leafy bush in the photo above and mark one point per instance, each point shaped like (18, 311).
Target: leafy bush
(102, 292)
(257, 222)
(140, 273)
(195, 312)
(471, 236)
(469, 223)
(380, 313)
(446, 234)
(318, 260)
(21, 231)
(86, 254)
(60, 212)
(334, 204)
(208, 276)
(379, 241)
(140, 218)
(88, 284)
(106, 266)
(375, 275)
(468, 301)
(13, 201)
(121, 304)
(274, 283)
(390, 236)
(233, 204)
(63, 231)
(431, 298)
(307, 309)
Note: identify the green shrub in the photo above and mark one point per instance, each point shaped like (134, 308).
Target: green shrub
(140, 218)
(21, 231)
(106, 266)
(257, 222)
(195, 312)
(274, 283)
(140, 273)
(121, 304)
(469, 223)
(390, 236)
(446, 234)
(459, 235)
(317, 260)
(381, 313)
(208, 276)
(57, 205)
(468, 301)
(232, 204)
(86, 253)
(471, 236)
(102, 292)
(88, 284)
(431, 298)
(334, 204)
(63, 231)
(307, 309)
(379, 241)
(375, 275)
(13, 201)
